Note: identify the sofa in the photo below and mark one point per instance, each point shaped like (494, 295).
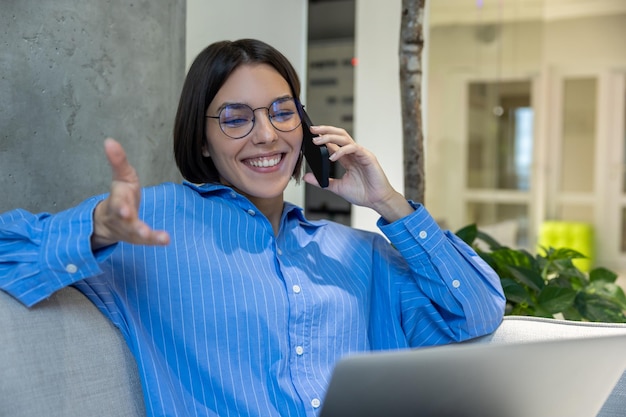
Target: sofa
(63, 358)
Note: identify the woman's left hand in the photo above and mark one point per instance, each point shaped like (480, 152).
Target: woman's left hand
(364, 182)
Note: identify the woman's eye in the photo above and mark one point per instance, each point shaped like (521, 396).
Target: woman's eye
(283, 115)
(236, 115)
(235, 121)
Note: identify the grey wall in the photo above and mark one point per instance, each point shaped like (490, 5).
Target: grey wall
(73, 72)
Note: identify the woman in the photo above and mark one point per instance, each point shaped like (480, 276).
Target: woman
(232, 302)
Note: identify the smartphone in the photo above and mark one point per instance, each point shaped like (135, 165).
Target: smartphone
(316, 156)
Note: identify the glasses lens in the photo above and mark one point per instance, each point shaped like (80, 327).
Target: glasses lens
(236, 120)
(284, 114)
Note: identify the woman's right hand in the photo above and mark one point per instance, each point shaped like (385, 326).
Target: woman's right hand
(116, 218)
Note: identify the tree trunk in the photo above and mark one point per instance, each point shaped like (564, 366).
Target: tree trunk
(411, 46)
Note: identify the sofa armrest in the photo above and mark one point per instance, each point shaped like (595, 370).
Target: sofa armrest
(520, 329)
(64, 358)
(517, 329)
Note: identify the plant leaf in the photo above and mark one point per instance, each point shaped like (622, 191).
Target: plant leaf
(563, 282)
(548, 282)
(522, 310)
(602, 274)
(555, 299)
(468, 234)
(610, 291)
(572, 314)
(527, 277)
(515, 292)
(594, 307)
(563, 254)
(490, 241)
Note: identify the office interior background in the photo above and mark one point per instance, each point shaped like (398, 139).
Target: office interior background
(523, 101)
(524, 115)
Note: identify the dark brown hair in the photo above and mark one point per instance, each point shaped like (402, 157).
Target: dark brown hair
(207, 74)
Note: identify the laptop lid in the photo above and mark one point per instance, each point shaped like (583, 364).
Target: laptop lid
(559, 378)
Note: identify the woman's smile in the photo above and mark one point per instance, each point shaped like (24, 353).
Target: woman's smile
(268, 161)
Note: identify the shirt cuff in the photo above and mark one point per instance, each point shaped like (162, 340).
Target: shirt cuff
(67, 254)
(414, 235)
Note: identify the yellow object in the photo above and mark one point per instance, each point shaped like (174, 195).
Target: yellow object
(572, 235)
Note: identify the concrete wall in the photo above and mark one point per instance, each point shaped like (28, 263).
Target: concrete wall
(73, 72)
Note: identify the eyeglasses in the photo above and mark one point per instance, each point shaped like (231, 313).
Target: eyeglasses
(237, 119)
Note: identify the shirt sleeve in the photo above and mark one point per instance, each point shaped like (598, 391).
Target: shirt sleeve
(42, 253)
(451, 294)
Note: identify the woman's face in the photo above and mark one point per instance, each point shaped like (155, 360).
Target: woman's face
(259, 165)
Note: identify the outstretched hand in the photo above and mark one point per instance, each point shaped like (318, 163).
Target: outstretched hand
(116, 218)
(364, 182)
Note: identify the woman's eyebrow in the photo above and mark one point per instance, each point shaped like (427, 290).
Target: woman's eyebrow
(236, 103)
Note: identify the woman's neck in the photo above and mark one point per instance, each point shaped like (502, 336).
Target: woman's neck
(272, 208)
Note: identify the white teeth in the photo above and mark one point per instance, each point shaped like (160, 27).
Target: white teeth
(265, 162)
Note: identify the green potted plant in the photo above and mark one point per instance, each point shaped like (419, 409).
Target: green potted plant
(548, 284)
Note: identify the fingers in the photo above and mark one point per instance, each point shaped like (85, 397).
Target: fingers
(124, 197)
(117, 217)
(309, 178)
(111, 227)
(122, 170)
(140, 233)
(330, 134)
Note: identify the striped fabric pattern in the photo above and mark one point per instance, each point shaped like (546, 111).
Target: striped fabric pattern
(232, 320)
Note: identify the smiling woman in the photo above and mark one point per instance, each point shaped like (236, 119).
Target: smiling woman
(219, 284)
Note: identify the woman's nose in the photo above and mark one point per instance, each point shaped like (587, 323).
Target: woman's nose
(263, 130)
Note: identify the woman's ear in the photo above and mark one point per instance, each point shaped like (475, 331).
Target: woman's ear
(205, 152)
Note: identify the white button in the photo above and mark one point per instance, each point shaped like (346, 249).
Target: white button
(456, 283)
(299, 350)
(251, 212)
(71, 268)
(296, 289)
(280, 252)
(423, 234)
(233, 194)
(315, 402)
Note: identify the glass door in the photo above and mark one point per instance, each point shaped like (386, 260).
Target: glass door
(615, 246)
(573, 154)
(500, 141)
(621, 168)
(568, 166)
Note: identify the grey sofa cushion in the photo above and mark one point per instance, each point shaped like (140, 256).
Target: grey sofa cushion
(64, 358)
(516, 329)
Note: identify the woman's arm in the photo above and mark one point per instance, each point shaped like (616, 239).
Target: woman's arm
(42, 253)
(450, 294)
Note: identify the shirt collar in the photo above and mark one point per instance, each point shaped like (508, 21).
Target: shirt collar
(290, 211)
(207, 188)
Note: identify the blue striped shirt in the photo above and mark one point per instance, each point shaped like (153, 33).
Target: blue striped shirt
(230, 319)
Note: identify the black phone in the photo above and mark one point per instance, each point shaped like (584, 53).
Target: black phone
(316, 156)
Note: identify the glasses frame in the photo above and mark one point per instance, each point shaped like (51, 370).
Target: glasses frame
(282, 99)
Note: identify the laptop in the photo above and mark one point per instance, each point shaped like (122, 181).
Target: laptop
(558, 378)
